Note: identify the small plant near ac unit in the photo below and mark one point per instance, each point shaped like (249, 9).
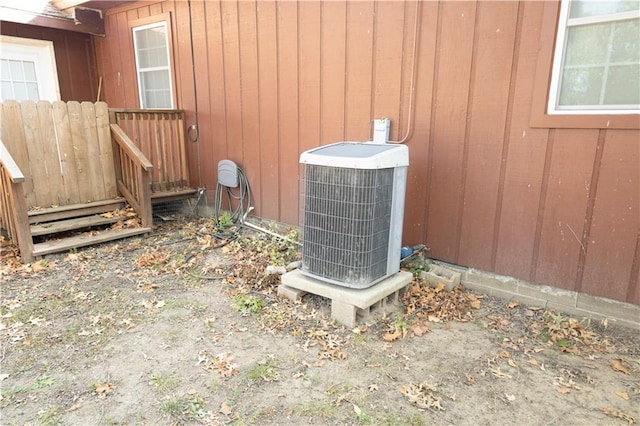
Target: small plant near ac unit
(416, 265)
(225, 221)
(246, 303)
(399, 323)
(283, 252)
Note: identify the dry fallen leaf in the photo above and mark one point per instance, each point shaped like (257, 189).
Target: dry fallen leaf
(38, 267)
(225, 408)
(623, 395)
(103, 390)
(496, 372)
(390, 337)
(618, 414)
(422, 395)
(419, 329)
(470, 379)
(74, 407)
(72, 257)
(618, 365)
(512, 305)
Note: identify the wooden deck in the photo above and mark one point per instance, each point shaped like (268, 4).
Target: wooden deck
(65, 166)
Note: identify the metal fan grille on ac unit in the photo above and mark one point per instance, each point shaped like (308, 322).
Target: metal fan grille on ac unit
(346, 224)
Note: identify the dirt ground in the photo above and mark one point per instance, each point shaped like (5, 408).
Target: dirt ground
(179, 327)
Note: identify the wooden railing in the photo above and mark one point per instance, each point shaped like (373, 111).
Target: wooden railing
(133, 175)
(160, 136)
(13, 206)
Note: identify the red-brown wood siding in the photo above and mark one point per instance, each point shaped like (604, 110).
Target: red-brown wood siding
(75, 59)
(486, 189)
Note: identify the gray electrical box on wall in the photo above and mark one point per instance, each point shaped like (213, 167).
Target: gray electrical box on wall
(228, 173)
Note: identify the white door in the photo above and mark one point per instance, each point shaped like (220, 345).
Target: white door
(28, 70)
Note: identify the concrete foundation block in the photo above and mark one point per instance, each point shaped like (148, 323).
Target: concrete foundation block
(344, 313)
(348, 305)
(550, 294)
(290, 293)
(499, 282)
(439, 274)
(625, 313)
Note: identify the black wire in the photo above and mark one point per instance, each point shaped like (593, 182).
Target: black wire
(242, 197)
(193, 73)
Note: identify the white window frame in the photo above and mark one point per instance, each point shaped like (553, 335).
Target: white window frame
(40, 52)
(140, 70)
(558, 63)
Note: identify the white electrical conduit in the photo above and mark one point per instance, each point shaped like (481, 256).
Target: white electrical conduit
(414, 65)
(244, 222)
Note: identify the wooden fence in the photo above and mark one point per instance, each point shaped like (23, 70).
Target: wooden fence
(64, 149)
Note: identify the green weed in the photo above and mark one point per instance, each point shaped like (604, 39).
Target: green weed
(162, 382)
(184, 409)
(50, 417)
(224, 221)
(245, 303)
(263, 371)
(318, 410)
(399, 323)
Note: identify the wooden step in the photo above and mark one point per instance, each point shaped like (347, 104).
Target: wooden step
(158, 197)
(73, 224)
(75, 210)
(64, 244)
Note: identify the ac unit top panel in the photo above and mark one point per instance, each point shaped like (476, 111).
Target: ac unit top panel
(358, 155)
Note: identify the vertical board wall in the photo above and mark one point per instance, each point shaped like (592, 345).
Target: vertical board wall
(557, 206)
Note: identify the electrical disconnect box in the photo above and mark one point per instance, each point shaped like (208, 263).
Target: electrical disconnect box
(381, 128)
(228, 173)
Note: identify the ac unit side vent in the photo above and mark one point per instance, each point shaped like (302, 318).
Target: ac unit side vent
(346, 223)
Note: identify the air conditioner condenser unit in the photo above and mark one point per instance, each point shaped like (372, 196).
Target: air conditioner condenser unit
(352, 200)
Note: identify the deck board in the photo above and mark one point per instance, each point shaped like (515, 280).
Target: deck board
(74, 224)
(57, 246)
(171, 195)
(75, 210)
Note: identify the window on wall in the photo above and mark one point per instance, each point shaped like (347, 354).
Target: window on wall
(153, 64)
(27, 70)
(596, 68)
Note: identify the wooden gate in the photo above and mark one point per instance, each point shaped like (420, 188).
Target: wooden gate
(64, 147)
